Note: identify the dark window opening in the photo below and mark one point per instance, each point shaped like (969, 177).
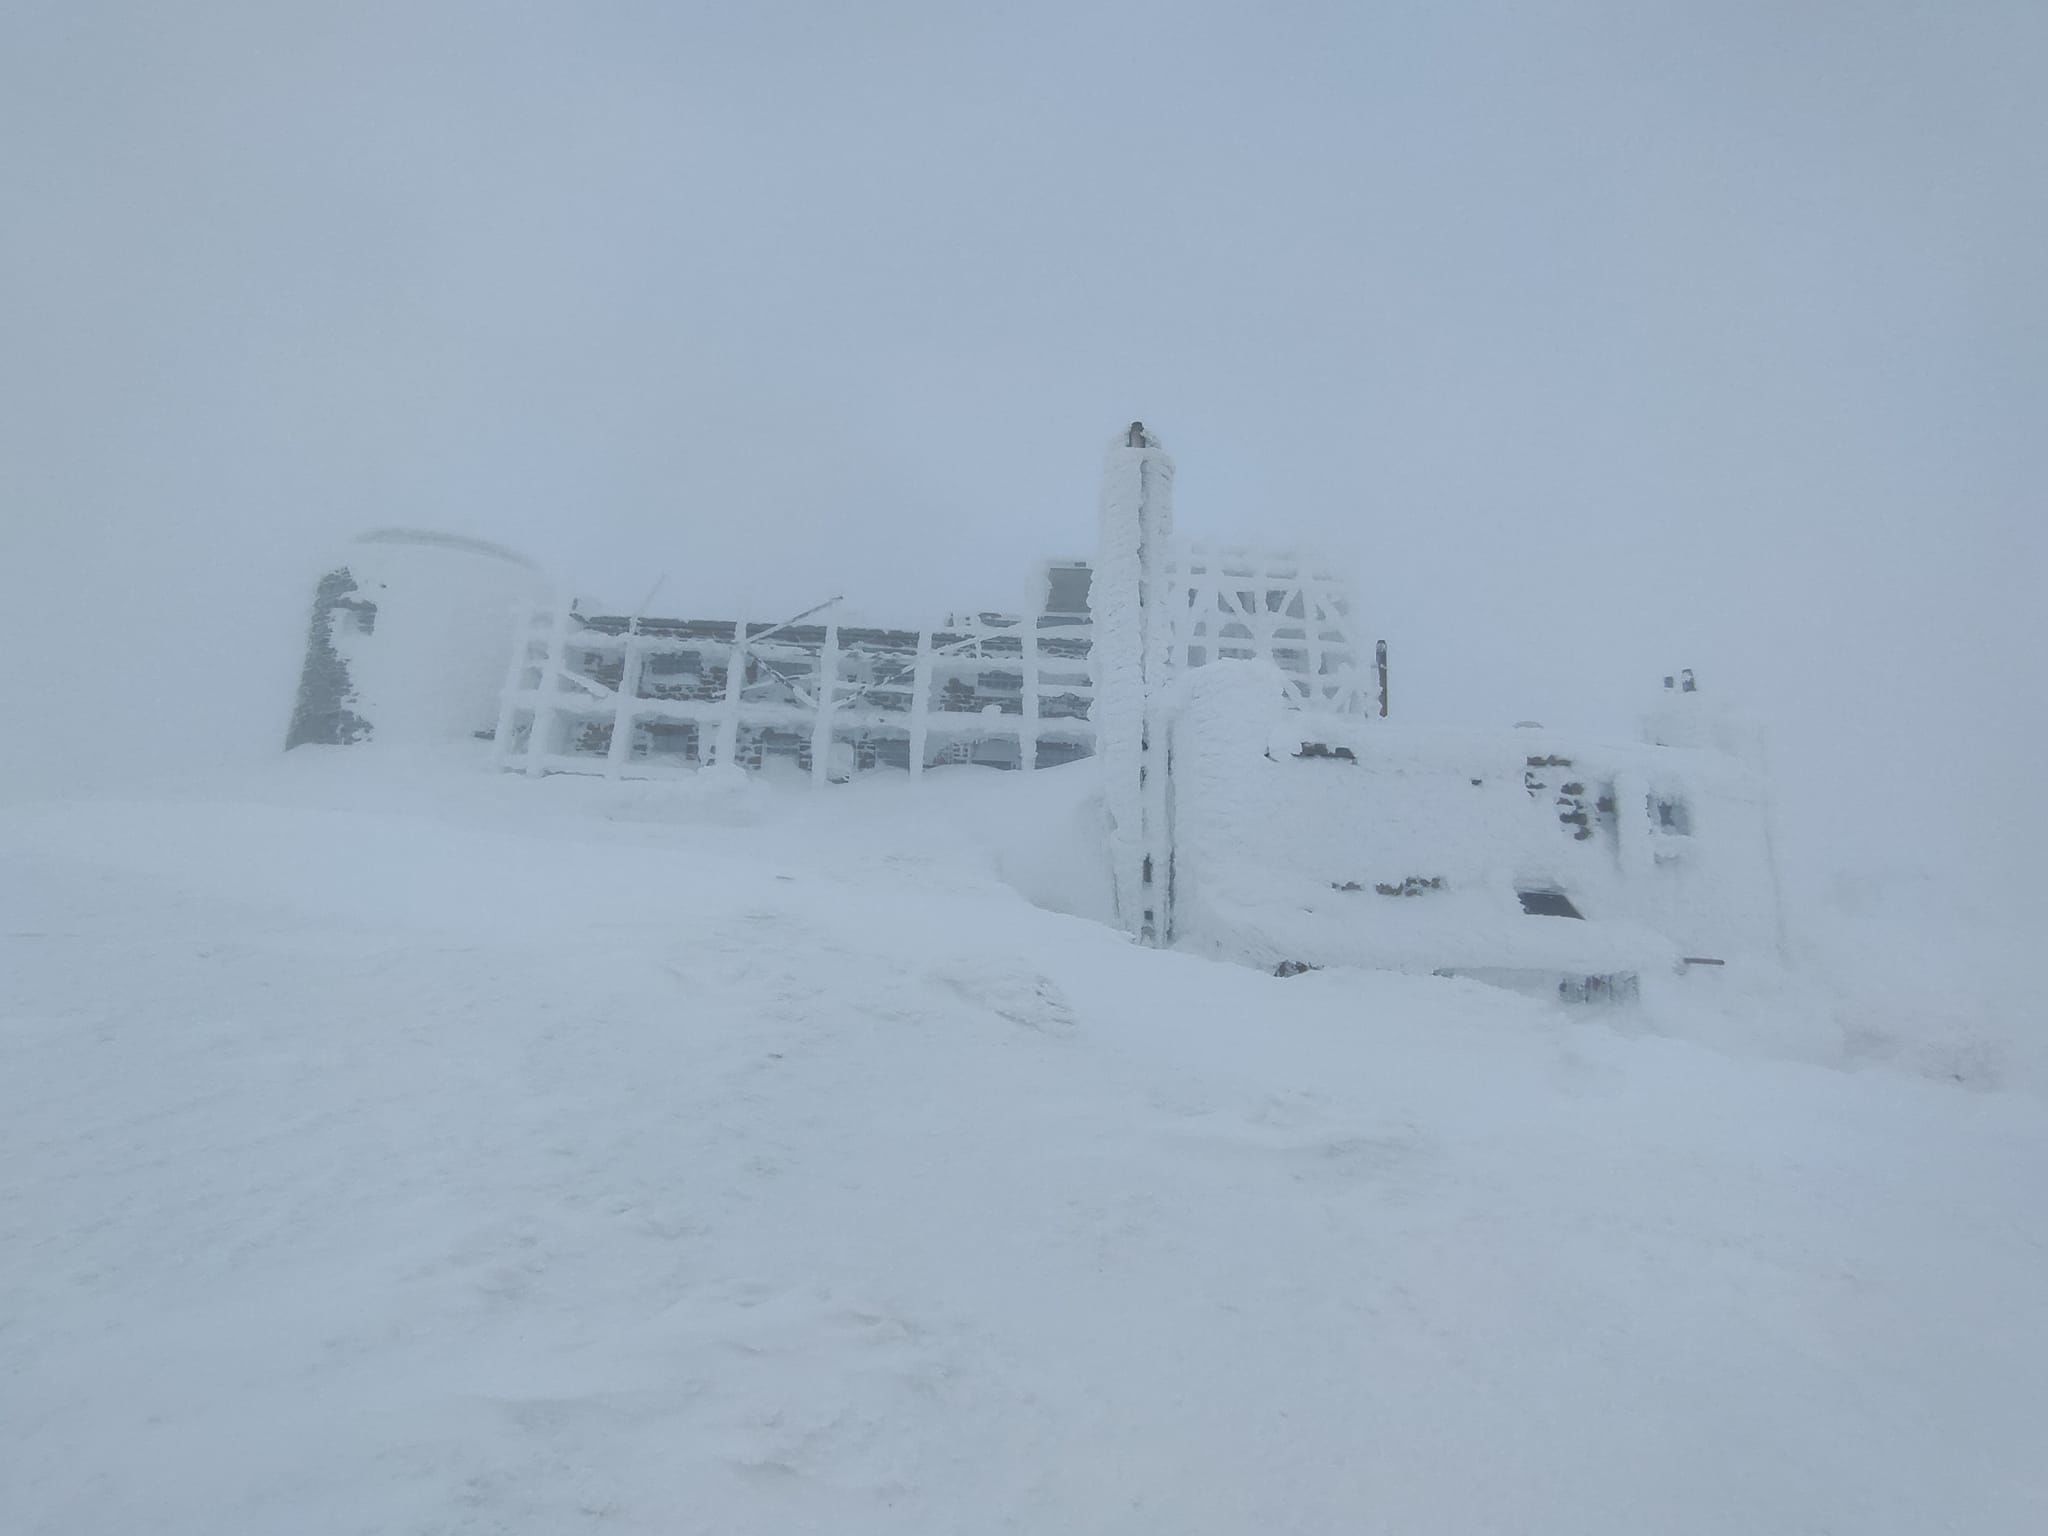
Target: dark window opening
(1548, 904)
(1672, 816)
(1067, 590)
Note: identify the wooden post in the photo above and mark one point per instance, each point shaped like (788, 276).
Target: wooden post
(515, 685)
(1312, 632)
(1027, 730)
(547, 714)
(920, 695)
(728, 745)
(627, 714)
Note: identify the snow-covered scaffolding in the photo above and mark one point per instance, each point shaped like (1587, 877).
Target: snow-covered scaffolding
(407, 642)
(1083, 670)
(1292, 609)
(639, 697)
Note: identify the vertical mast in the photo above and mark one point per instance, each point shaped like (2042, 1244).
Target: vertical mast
(1132, 609)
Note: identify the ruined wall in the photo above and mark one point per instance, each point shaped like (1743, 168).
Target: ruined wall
(408, 640)
(324, 713)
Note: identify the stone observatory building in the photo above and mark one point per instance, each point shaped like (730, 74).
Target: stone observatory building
(406, 642)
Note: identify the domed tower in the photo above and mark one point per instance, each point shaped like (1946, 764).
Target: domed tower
(408, 639)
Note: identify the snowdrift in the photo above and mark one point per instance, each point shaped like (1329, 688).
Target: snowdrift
(422, 1150)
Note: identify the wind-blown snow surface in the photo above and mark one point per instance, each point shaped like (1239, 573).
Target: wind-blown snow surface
(441, 1152)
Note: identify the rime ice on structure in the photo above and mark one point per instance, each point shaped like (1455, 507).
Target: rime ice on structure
(406, 642)
(1238, 604)
(1320, 839)
(645, 697)
(1133, 648)
(1256, 806)
(402, 634)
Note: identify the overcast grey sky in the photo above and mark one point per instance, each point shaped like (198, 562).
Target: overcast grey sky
(1605, 337)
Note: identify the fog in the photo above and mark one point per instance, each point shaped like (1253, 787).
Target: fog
(388, 1143)
(1601, 339)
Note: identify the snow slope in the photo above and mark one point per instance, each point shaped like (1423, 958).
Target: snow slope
(418, 1151)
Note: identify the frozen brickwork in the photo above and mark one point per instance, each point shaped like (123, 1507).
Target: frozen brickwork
(324, 713)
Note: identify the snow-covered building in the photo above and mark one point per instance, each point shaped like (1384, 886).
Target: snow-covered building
(1527, 858)
(1254, 800)
(1258, 805)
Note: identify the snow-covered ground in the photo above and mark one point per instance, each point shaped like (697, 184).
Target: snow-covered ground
(394, 1147)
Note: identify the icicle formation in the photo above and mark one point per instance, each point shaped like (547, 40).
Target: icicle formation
(1133, 636)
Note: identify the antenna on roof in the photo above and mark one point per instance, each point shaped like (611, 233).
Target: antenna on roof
(640, 611)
